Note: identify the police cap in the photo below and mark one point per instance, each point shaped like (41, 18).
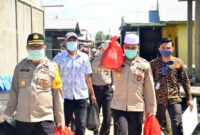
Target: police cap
(35, 38)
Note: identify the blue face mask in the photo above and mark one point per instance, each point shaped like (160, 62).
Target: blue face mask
(130, 53)
(36, 54)
(166, 53)
(71, 46)
(62, 51)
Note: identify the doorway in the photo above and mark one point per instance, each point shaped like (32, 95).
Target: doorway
(149, 42)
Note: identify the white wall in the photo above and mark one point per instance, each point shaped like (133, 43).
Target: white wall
(14, 31)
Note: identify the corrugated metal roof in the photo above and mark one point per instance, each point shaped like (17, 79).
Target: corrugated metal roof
(137, 17)
(173, 10)
(147, 24)
(142, 17)
(60, 23)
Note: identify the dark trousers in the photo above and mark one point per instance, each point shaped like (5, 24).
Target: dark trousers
(127, 123)
(175, 113)
(104, 96)
(35, 128)
(79, 107)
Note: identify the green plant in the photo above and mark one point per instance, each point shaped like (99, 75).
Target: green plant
(13, 121)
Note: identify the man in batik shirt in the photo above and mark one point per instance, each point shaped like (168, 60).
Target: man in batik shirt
(168, 72)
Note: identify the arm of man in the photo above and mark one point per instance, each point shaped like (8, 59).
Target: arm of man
(90, 87)
(58, 99)
(149, 92)
(88, 72)
(13, 99)
(186, 85)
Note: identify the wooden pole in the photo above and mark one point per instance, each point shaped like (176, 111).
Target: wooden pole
(189, 35)
(197, 41)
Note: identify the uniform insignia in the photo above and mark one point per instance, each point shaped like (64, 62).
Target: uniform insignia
(139, 78)
(23, 82)
(21, 75)
(57, 83)
(43, 83)
(46, 69)
(24, 70)
(35, 36)
(139, 74)
(44, 72)
(27, 75)
(25, 67)
(119, 75)
(141, 69)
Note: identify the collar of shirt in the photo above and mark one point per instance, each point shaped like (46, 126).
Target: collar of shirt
(77, 54)
(43, 62)
(171, 60)
(73, 71)
(130, 63)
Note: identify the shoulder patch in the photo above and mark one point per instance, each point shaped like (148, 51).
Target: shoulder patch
(143, 63)
(143, 60)
(57, 83)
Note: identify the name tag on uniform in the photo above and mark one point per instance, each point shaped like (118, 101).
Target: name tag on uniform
(158, 86)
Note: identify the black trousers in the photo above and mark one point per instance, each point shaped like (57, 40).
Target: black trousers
(127, 123)
(175, 113)
(35, 128)
(104, 95)
(79, 107)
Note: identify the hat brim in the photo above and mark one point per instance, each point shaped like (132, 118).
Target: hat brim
(39, 42)
(71, 37)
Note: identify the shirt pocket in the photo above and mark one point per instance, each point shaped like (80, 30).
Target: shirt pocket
(23, 82)
(118, 75)
(80, 68)
(24, 78)
(43, 82)
(172, 72)
(137, 76)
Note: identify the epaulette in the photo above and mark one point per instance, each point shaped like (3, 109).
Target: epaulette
(53, 62)
(143, 59)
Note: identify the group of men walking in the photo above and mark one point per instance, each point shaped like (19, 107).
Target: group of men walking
(44, 91)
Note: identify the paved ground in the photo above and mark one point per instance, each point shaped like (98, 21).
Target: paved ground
(88, 132)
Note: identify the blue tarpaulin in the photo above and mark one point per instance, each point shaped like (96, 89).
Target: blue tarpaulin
(5, 82)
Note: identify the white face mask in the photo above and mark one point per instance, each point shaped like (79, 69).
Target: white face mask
(72, 45)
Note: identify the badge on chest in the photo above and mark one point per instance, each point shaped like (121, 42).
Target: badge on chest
(119, 75)
(23, 83)
(45, 70)
(140, 75)
(43, 83)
